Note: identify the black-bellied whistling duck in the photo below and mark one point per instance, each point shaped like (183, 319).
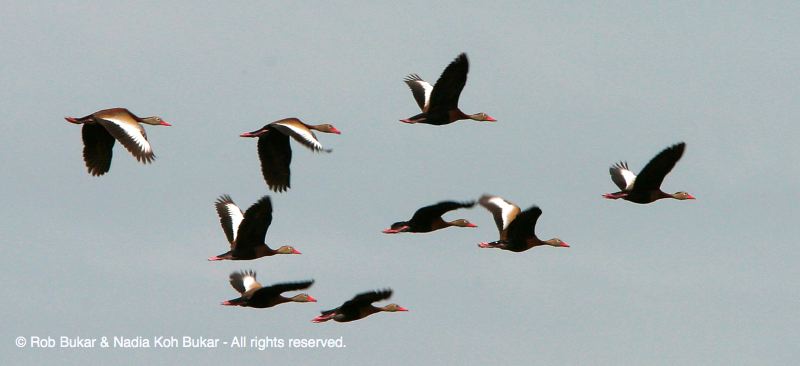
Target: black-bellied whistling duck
(102, 127)
(429, 218)
(646, 187)
(359, 307)
(256, 296)
(439, 103)
(517, 229)
(276, 154)
(246, 232)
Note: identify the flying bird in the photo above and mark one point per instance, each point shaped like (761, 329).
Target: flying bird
(429, 218)
(359, 307)
(256, 296)
(101, 128)
(517, 229)
(276, 154)
(646, 187)
(439, 103)
(246, 232)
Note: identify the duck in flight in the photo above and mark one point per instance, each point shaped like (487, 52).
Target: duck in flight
(429, 218)
(359, 307)
(439, 103)
(246, 231)
(102, 128)
(275, 153)
(256, 296)
(646, 187)
(517, 228)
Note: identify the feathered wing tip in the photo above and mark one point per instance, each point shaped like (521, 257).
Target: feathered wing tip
(224, 199)
(620, 165)
(622, 177)
(462, 57)
(503, 211)
(243, 273)
(230, 216)
(278, 188)
(412, 78)
(291, 286)
(242, 281)
(373, 296)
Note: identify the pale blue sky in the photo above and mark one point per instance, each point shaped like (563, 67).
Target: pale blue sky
(575, 87)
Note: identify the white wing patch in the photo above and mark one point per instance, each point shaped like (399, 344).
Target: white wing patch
(622, 176)
(236, 215)
(503, 211)
(134, 132)
(249, 282)
(417, 84)
(428, 89)
(629, 178)
(506, 208)
(302, 135)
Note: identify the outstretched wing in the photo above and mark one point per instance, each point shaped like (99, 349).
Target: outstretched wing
(524, 226)
(433, 211)
(244, 281)
(230, 216)
(253, 228)
(651, 177)
(420, 89)
(352, 306)
(299, 132)
(622, 176)
(275, 155)
(97, 148)
(131, 135)
(448, 88)
(503, 211)
(280, 288)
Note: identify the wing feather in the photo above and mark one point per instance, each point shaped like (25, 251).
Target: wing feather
(275, 155)
(437, 210)
(230, 216)
(503, 211)
(448, 88)
(524, 226)
(622, 176)
(131, 135)
(253, 228)
(652, 175)
(244, 281)
(97, 148)
(420, 89)
(300, 133)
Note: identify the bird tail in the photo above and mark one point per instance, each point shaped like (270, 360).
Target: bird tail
(326, 315)
(494, 244)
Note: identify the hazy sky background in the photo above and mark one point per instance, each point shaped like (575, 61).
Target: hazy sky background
(575, 87)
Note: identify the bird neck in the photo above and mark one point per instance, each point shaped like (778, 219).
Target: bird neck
(662, 194)
(457, 114)
(265, 251)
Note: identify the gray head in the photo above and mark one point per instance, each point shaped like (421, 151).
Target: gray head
(556, 242)
(154, 120)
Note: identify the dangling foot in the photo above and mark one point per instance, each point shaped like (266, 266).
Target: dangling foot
(613, 196)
